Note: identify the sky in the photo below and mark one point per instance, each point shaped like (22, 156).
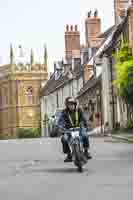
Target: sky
(33, 23)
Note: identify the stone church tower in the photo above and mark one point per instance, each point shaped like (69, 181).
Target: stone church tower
(20, 85)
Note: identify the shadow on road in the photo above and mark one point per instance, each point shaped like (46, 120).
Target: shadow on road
(54, 170)
(63, 170)
(35, 166)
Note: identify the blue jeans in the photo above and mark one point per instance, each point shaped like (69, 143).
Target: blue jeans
(84, 137)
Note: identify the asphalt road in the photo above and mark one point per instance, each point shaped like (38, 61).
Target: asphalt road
(34, 170)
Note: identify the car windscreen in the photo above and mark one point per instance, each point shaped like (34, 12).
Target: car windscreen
(57, 116)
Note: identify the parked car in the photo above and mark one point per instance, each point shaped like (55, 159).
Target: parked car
(53, 124)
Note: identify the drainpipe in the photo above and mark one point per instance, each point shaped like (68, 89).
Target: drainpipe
(101, 110)
(112, 92)
(94, 68)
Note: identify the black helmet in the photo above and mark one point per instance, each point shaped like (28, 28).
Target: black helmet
(70, 100)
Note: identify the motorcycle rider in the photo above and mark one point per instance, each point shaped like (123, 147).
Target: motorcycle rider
(72, 117)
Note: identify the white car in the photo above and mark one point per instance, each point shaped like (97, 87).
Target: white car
(53, 123)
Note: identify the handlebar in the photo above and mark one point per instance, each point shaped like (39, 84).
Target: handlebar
(70, 129)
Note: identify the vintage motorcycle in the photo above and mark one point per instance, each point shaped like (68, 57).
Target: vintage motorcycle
(76, 145)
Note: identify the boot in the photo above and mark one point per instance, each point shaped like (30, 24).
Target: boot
(68, 158)
(87, 154)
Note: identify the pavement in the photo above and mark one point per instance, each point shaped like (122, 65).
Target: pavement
(33, 169)
(119, 136)
(124, 137)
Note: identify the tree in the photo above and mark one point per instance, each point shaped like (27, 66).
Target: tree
(124, 73)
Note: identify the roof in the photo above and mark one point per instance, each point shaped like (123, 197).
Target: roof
(107, 32)
(90, 84)
(53, 84)
(115, 35)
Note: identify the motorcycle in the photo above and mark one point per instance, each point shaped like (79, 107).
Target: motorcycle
(76, 145)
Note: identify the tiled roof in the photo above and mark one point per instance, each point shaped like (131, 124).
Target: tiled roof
(53, 84)
(90, 84)
(103, 45)
(107, 32)
(117, 31)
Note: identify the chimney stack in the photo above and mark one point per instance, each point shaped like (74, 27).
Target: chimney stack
(120, 7)
(72, 41)
(92, 27)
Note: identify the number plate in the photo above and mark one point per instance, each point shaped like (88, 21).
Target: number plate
(75, 134)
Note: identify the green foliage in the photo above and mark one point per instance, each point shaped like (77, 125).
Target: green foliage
(124, 72)
(28, 133)
(123, 54)
(130, 124)
(3, 137)
(6, 136)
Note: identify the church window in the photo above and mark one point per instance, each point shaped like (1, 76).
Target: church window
(29, 93)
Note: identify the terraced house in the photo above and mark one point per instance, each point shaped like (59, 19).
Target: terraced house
(88, 71)
(114, 110)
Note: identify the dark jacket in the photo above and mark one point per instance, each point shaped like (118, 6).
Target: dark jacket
(65, 122)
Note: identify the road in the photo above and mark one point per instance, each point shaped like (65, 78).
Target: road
(33, 169)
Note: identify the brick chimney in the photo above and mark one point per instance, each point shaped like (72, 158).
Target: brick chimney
(72, 41)
(120, 7)
(92, 27)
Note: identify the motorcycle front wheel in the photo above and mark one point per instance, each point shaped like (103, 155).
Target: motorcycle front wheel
(77, 155)
(80, 168)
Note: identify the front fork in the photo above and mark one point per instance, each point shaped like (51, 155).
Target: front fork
(76, 142)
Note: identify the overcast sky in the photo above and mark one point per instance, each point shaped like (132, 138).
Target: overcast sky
(32, 23)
